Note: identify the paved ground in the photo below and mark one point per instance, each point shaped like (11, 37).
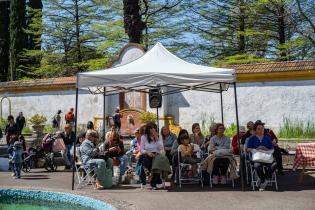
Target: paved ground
(290, 196)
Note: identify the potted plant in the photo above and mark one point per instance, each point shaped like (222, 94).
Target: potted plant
(38, 123)
(146, 117)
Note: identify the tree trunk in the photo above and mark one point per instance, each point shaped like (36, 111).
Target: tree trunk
(242, 28)
(132, 20)
(281, 32)
(77, 32)
(17, 36)
(4, 39)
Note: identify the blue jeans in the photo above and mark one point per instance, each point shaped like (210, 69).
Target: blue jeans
(69, 156)
(17, 169)
(124, 161)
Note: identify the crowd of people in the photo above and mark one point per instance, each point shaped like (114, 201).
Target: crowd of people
(156, 154)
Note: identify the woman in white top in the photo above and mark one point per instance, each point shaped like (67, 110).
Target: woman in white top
(150, 146)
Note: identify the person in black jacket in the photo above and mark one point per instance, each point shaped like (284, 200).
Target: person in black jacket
(10, 129)
(20, 122)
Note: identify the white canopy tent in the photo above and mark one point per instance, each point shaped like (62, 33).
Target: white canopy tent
(157, 68)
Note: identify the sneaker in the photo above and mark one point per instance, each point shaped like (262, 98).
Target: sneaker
(263, 185)
(223, 180)
(215, 180)
(13, 174)
(142, 186)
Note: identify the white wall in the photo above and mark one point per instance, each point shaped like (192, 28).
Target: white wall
(267, 101)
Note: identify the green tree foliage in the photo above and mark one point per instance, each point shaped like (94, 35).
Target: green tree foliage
(4, 39)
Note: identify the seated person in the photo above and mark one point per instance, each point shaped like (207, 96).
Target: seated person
(151, 146)
(235, 146)
(89, 156)
(220, 165)
(196, 137)
(248, 133)
(115, 150)
(277, 150)
(259, 141)
(186, 150)
(134, 151)
(168, 139)
(208, 137)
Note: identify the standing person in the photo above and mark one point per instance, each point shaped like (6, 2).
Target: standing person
(117, 118)
(10, 129)
(196, 137)
(168, 139)
(20, 122)
(69, 117)
(68, 137)
(56, 122)
(17, 159)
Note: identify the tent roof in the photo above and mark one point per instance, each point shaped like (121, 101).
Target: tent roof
(157, 68)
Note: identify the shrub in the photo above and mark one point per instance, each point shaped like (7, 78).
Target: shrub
(27, 130)
(297, 129)
(146, 117)
(3, 123)
(231, 130)
(206, 121)
(37, 119)
(48, 129)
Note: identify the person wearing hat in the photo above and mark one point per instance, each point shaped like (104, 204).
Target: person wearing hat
(235, 145)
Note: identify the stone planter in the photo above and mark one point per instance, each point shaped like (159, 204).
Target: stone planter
(38, 130)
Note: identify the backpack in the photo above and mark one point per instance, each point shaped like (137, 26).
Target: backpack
(69, 117)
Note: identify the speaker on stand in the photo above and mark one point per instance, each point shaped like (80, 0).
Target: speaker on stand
(155, 101)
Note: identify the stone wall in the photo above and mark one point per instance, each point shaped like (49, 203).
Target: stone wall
(269, 101)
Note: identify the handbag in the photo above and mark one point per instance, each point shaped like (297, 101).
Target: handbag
(262, 156)
(58, 145)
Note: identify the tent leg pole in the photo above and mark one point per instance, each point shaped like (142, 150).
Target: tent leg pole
(75, 132)
(157, 119)
(221, 100)
(238, 135)
(104, 114)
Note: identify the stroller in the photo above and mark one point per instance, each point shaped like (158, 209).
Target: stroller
(43, 151)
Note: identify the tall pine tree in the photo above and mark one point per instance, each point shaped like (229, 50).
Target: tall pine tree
(4, 39)
(17, 37)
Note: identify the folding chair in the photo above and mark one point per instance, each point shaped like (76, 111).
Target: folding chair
(254, 177)
(85, 175)
(227, 176)
(183, 168)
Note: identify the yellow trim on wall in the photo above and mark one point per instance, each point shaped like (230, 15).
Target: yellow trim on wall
(276, 76)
